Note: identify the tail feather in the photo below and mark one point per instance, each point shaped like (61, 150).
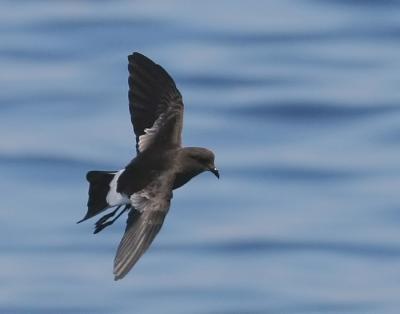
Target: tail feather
(99, 186)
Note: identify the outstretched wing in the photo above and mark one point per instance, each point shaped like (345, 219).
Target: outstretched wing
(155, 104)
(151, 206)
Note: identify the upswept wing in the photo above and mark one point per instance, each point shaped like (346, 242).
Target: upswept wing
(151, 206)
(155, 104)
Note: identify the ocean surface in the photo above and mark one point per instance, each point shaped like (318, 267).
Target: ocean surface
(300, 100)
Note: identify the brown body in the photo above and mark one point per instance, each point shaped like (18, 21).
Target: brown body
(145, 186)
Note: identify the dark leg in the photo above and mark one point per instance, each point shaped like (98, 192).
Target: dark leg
(109, 215)
(102, 223)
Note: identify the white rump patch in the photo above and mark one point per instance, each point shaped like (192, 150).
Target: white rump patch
(113, 197)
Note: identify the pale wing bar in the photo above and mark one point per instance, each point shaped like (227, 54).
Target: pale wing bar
(155, 104)
(166, 130)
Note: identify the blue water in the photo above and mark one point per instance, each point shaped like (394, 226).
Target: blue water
(300, 100)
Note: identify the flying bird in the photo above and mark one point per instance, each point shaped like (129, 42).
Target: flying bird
(144, 187)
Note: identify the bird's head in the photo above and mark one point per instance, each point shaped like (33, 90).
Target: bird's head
(203, 159)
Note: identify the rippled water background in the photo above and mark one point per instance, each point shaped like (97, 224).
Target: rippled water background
(300, 101)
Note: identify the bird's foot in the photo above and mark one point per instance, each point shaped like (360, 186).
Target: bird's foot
(100, 227)
(102, 222)
(106, 217)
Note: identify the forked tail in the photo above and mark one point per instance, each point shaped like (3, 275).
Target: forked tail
(100, 184)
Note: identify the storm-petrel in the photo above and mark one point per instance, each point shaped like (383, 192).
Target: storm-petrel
(144, 186)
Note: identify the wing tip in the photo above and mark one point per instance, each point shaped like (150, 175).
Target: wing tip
(138, 57)
(120, 273)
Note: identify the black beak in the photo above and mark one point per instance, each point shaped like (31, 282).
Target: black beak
(215, 172)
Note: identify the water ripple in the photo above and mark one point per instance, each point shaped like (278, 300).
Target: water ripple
(270, 246)
(304, 308)
(90, 24)
(249, 247)
(383, 33)
(373, 4)
(52, 310)
(298, 173)
(215, 81)
(309, 110)
(46, 161)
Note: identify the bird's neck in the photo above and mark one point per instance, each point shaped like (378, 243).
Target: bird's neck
(184, 176)
(186, 171)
